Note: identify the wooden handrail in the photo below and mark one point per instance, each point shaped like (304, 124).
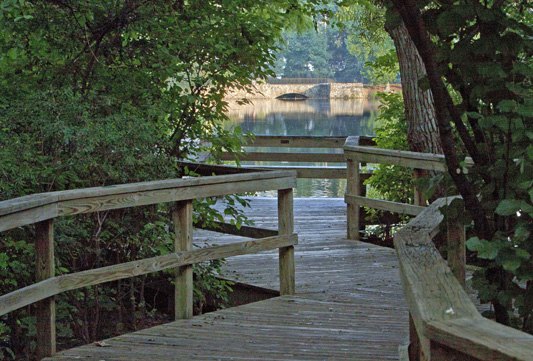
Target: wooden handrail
(288, 141)
(41, 209)
(35, 208)
(445, 323)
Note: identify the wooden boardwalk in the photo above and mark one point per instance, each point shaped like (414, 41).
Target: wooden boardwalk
(349, 303)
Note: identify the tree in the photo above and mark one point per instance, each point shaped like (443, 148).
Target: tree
(105, 92)
(306, 55)
(478, 57)
(368, 39)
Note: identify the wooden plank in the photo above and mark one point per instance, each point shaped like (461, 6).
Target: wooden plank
(243, 231)
(45, 310)
(431, 290)
(26, 202)
(296, 141)
(101, 203)
(183, 294)
(134, 194)
(353, 211)
(397, 157)
(456, 253)
(286, 254)
(286, 157)
(53, 286)
(483, 339)
(168, 184)
(395, 207)
(28, 216)
(207, 170)
(315, 172)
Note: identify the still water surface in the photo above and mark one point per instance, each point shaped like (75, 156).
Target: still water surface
(334, 117)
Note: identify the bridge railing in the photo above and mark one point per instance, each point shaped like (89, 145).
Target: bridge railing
(329, 143)
(444, 323)
(40, 210)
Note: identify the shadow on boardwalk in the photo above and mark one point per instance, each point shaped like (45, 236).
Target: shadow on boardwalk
(349, 303)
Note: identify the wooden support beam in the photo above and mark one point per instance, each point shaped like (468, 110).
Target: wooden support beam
(286, 157)
(395, 207)
(182, 217)
(457, 251)
(243, 231)
(353, 211)
(286, 254)
(56, 285)
(44, 269)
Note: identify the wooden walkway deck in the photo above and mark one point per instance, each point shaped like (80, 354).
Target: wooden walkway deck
(349, 303)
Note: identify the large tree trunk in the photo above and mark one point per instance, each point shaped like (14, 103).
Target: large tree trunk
(422, 133)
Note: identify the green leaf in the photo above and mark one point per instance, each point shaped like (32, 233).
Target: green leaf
(507, 105)
(522, 253)
(511, 263)
(508, 207)
(484, 248)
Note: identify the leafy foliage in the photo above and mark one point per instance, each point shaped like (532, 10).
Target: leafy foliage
(484, 52)
(393, 183)
(96, 93)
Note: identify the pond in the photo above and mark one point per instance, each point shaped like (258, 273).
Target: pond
(327, 117)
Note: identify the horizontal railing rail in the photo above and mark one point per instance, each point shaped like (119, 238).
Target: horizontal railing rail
(444, 323)
(302, 171)
(41, 209)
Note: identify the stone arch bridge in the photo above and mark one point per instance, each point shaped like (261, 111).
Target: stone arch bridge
(313, 91)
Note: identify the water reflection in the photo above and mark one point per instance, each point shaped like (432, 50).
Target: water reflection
(333, 117)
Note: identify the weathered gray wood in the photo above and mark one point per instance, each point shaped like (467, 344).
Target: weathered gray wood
(420, 199)
(482, 339)
(304, 141)
(395, 207)
(287, 157)
(45, 311)
(35, 208)
(243, 231)
(94, 204)
(397, 157)
(456, 253)
(207, 170)
(296, 141)
(353, 188)
(183, 295)
(26, 202)
(442, 312)
(431, 290)
(308, 172)
(286, 254)
(28, 216)
(53, 286)
(427, 161)
(440, 352)
(349, 303)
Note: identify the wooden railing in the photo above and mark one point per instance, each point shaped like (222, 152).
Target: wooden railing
(444, 323)
(41, 209)
(303, 171)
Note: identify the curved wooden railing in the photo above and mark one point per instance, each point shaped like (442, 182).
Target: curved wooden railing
(41, 209)
(444, 323)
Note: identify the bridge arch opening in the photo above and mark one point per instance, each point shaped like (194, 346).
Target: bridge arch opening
(292, 96)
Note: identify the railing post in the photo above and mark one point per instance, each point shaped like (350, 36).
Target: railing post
(353, 187)
(286, 254)
(457, 251)
(419, 196)
(183, 296)
(44, 269)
